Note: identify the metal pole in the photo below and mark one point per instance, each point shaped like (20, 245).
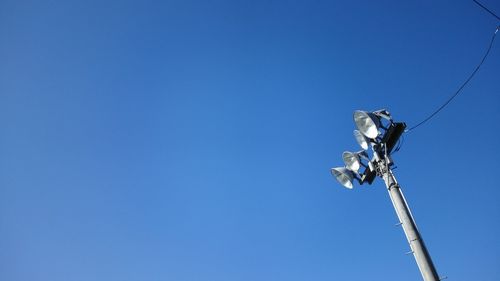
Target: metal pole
(417, 245)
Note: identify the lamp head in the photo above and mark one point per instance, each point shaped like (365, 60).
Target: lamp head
(361, 139)
(352, 160)
(367, 123)
(343, 176)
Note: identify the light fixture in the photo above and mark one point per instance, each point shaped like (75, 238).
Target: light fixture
(352, 160)
(361, 139)
(367, 123)
(377, 130)
(343, 176)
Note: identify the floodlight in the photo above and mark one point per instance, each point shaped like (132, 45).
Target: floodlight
(367, 123)
(343, 176)
(352, 160)
(377, 131)
(361, 139)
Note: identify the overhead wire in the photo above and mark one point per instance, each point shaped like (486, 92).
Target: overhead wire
(457, 92)
(486, 9)
(400, 143)
(468, 79)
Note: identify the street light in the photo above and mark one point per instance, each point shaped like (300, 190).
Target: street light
(369, 133)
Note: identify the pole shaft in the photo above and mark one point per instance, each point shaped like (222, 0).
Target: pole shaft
(422, 256)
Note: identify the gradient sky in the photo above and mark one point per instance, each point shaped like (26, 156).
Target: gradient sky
(193, 140)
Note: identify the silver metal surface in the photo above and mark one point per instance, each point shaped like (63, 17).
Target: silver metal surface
(422, 257)
(343, 176)
(368, 124)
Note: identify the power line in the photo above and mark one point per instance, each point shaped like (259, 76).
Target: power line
(401, 141)
(470, 76)
(486, 9)
(463, 84)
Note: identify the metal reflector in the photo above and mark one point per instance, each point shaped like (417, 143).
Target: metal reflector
(343, 176)
(361, 139)
(351, 160)
(367, 123)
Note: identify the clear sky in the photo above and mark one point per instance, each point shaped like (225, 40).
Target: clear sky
(193, 140)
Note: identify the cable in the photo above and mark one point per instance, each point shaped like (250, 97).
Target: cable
(461, 87)
(401, 141)
(486, 9)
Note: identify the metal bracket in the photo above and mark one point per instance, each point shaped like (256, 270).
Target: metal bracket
(381, 168)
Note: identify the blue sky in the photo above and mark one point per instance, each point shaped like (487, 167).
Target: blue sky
(192, 140)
